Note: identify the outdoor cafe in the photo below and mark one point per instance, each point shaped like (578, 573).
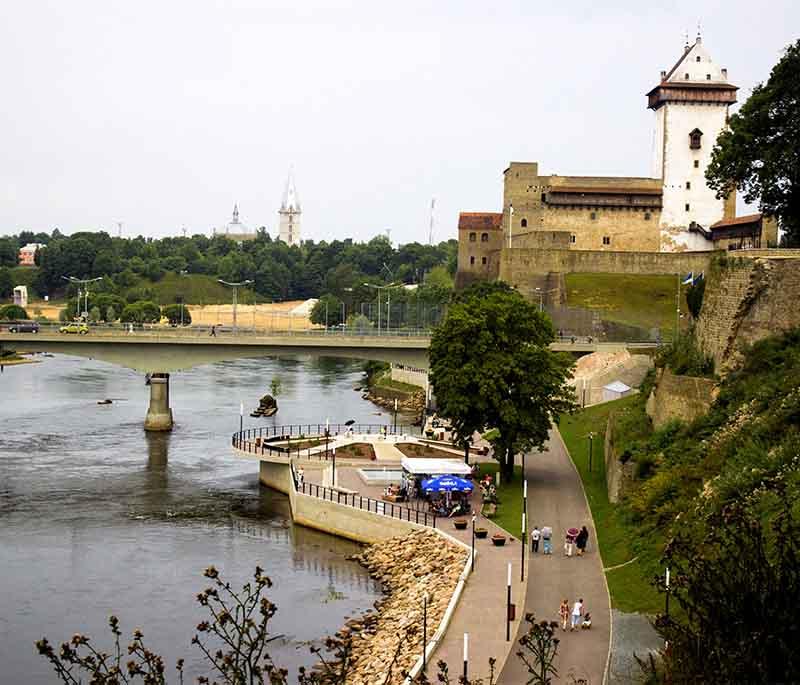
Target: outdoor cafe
(444, 483)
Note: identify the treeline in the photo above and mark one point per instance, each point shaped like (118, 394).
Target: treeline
(278, 272)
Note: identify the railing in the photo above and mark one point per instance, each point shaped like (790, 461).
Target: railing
(262, 440)
(357, 501)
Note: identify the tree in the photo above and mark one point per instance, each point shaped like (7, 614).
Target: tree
(694, 297)
(111, 314)
(327, 311)
(94, 314)
(491, 366)
(12, 312)
(759, 153)
(8, 252)
(6, 283)
(177, 314)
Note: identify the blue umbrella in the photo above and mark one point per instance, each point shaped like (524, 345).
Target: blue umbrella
(446, 484)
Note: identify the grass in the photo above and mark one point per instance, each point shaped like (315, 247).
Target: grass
(629, 585)
(194, 288)
(509, 499)
(384, 381)
(634, 300)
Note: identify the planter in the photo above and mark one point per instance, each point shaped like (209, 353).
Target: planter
(460, 524)
(498, 540)
(481, 533)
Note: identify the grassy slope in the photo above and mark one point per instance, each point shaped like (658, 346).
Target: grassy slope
(509, 499)
(195, 289)
(630, 585)
(636, 300)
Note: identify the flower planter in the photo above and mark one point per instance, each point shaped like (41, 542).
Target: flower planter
(498, 540)
(460, 524)
(481, 533)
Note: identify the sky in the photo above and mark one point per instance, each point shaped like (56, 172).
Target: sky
(162, 114)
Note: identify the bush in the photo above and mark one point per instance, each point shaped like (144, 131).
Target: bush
(111, 314)
(143, 311)
(694, 297)
(13, 312)
(94, 314)
(685, 358)
(177, 314)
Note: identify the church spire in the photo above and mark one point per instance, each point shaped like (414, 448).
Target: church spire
(236, 213)
(291, 200)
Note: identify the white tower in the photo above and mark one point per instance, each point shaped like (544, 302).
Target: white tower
(289, 213)
(691, 105)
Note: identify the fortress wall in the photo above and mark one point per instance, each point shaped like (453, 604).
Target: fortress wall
(682, 398)
(746, 300)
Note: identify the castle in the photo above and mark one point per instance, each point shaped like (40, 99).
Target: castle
(673, 211)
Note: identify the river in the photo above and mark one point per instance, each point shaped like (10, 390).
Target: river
(98, 517)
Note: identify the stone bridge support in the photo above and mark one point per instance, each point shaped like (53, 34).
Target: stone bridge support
(159, 414)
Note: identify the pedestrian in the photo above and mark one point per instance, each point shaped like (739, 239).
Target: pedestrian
(301, 474)
(577, 610)
(213, 333)
(547, 535)
(581, 540)
(563, 613)
(535, 535)
(569, 542)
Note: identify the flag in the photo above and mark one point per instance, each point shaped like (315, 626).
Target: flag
(688, 279)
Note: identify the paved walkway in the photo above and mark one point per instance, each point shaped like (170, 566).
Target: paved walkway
(555, 498)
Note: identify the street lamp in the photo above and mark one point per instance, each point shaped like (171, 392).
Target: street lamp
(666, 598)
(523, 550)
(591, 437)
(235, 287)
(473, 543)
(388, 301)
(508, 604)
(395, 416)
(85, 283)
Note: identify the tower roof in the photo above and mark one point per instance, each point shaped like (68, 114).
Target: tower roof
(291, 200)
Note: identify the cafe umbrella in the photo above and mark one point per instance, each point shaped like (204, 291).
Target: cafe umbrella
(446, 484)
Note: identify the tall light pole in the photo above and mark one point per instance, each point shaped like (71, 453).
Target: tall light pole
(85, 283)
(379, 288)
(235, 287)
(508, 604)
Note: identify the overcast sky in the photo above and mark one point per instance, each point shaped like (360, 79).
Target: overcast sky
(163, 114)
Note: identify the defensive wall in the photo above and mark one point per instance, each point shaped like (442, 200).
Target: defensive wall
(682, 398)
(747, 298)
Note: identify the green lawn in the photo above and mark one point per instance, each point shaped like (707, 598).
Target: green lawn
(194, 288)
(630, 585)
(509, 499)
(635, 300)
(384, 381)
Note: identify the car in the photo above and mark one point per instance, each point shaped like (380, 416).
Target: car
(23, 327)
(75, 327)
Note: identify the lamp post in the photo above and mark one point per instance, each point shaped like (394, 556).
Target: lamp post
(466, 655)
(522, 561)
(508, 604)
(327, 437)
(425, 632)
(235, 287)
(85, 283)
(333, 454)
(388, 296)
(591, 437)
(241, 419)
(666, 597)
(395, 416)
(473, 543)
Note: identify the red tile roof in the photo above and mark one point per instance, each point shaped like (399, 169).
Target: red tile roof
(480, 221)
(738, 220)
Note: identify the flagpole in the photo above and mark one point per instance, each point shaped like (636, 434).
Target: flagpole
(678, 308)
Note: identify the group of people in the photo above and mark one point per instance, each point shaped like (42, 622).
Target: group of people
(576, 618)
(575, 540)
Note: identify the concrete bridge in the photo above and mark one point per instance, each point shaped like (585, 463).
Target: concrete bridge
(160, 351)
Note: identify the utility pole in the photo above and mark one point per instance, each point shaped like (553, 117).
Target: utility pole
(430, 229)
(235, 287)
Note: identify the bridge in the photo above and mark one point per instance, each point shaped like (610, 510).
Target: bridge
(161, 350)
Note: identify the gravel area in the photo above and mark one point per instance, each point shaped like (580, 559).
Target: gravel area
(632, 634)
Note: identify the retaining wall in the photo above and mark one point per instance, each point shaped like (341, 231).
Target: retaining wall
(682, 398)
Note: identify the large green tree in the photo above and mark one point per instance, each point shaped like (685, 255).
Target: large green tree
(492, 367)
(759, 154)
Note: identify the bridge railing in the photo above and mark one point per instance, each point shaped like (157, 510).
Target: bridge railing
(263, 440)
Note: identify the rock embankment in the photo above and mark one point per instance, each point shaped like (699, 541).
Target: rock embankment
(391, 639)
(412, 403)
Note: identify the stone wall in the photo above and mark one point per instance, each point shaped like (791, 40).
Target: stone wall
(745, 300)
(618, 475)
(682, 398)
(411, 375)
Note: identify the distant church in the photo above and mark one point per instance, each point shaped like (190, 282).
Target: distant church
(289, 214)
(672, 211)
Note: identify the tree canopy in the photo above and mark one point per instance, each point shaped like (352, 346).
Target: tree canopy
(491, 367)
(759, 154)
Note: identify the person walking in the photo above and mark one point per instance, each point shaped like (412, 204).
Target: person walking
(547, 537)
(213, 333)
(535, 535)
(569, 542)
(577, 610)
(563, 613)
(581, 540)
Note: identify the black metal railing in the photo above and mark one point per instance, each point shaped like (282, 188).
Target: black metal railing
(376, 506)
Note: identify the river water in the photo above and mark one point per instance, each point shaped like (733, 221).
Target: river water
(98, 517)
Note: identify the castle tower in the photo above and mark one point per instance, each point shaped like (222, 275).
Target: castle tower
(691, 105)
(289, 213)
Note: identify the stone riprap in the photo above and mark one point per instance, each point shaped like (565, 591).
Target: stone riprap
(408, 567)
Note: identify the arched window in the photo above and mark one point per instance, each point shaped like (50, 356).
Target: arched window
(524, 223)
(473, 237)
(694, 139)
(484, 237)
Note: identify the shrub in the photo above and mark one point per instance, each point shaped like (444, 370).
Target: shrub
(13, 312)
(177, 313)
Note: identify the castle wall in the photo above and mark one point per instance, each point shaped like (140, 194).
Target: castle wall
(628, 229)
(679, 398)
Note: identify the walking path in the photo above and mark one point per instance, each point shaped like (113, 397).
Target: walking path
(556, 498)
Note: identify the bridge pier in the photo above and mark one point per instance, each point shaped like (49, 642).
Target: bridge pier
(159, 414)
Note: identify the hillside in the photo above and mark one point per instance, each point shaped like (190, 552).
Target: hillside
(194, 288)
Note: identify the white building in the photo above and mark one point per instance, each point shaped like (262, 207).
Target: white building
(289, 214)
(27, 253)
(691, 105)
(236, 230)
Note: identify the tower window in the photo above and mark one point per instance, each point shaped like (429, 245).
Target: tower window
(697, 164)
(606, 240)
(694, 139)
(472, 260)
(686, 76)
(483, 260)
(687, 206)
(524, 223)
(698, 58)
(572, 238)
(647, 216)
(593, 215)
(688, 185)
(473, 237)
(484, 237)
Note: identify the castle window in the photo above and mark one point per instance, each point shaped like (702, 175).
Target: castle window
(697, 164)
(472, 260)
(572, 238)
(593, 215)
(694, 139)
(686, 76)
(708, 77)
(687, 206)
(688, 185)
(483, 260)
(606, 240)
(524, 223)
(544, 197)
(473, 237)
(484, 237)
(647, 216)
(698, 58)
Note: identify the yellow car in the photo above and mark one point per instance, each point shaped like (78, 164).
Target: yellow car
(80, 328)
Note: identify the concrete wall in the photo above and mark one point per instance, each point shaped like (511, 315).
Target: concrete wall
(682, 398)
(746, 300)
(275, 475)
(412, 375)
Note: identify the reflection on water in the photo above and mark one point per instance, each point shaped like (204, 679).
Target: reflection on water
(97, 516)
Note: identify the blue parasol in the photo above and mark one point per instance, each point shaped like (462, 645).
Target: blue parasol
(446, 484)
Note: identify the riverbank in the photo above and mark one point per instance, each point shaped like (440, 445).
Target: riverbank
(380, 389)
